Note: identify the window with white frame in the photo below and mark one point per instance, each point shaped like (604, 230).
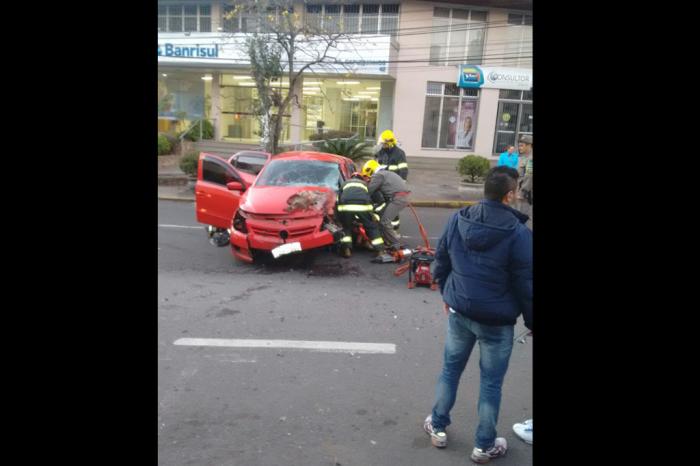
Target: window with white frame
(247, 20)
(519, 40)
(449, 119)
(184, 18)
(458, 36)
(514, 118)
(354, 19)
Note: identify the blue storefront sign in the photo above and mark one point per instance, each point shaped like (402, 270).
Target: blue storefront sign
(473, 76)
(470, 76)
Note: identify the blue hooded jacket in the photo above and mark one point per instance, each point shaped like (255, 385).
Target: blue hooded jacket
(483, 264)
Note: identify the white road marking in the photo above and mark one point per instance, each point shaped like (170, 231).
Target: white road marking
(181, 226)
(324, 346)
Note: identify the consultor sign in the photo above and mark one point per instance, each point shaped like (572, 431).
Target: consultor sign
(473, 76)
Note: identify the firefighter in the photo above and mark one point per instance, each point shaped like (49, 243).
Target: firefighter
(395, 193)
(394, 158)
(392, 155)
(354, 204)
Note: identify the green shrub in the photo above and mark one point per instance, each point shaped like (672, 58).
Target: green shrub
(351, 148)
(207, 131)
(188, 163)
(164, 146)
(473, 166)
(330, 134)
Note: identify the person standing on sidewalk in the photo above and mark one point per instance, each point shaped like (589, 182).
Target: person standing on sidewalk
(525, 170)
(509, 158)
(483, 266)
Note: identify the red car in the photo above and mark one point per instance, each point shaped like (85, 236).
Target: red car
(287, 207)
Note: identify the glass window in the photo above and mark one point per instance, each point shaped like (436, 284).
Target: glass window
(448, 128)
(331, 19)
(351, 18)
(205, 24)
(431, 119)
(175, 24)
(434, 88)
(479, 16)
(509, 94)
(514, 118)
(216, 173)
(190, 10)
(451, 89)
(438, 45)
(515, 19)
(526, 119)
(370, 19)
(457, 37)
(250, 163)
(313, 15)
(205, 10)
(441, 13)
(300, 173)
(449, 120)
(390, 19)
(191, 24)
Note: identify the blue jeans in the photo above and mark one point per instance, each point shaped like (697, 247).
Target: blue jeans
(495, 344)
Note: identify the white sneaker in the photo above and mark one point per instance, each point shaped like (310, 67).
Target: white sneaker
(496, 451)
(524, 430)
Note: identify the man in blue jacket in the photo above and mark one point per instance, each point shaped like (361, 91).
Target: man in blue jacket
(483, 265)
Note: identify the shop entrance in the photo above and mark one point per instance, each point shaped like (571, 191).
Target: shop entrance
(514, 118)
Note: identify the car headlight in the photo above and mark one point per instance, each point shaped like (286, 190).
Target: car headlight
(239, 223)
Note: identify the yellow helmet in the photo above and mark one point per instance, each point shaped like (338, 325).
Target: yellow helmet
(370, 167)
(387, 137)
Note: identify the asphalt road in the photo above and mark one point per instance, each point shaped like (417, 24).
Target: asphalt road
(264, 406)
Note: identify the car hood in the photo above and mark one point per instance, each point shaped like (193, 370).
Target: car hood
(291, 201)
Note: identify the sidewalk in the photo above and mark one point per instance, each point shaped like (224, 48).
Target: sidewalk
(433, 183)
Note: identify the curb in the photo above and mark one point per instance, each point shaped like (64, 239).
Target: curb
(439, 204)
(443, 204)
(176, 198)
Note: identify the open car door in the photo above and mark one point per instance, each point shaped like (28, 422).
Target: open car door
(215, 203)
(249, 163)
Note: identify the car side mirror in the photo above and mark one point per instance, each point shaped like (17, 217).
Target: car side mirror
(235, 186)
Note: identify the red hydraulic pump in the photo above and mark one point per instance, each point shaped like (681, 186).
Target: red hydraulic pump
(418, 265)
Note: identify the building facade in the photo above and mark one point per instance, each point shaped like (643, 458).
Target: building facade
(449, 78)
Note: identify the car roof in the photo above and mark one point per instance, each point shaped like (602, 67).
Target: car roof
(309, 155)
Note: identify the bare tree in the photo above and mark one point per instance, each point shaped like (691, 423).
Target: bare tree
(283, 44)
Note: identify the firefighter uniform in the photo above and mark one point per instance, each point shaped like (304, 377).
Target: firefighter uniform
(395, 193)
(394, 158)
(354, 204)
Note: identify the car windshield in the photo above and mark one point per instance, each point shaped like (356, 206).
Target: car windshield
(300, 173)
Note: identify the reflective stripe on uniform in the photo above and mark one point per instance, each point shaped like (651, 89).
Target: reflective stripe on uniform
(392, 167)
(396, 223)
(380, 207)
(403, 165)
(377, 241)
(355, 185)
(346, 239)
(354, 208)
(376, 217)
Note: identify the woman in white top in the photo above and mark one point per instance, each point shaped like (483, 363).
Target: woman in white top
(465, 134)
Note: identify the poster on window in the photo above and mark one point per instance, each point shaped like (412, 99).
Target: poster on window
(466, 125)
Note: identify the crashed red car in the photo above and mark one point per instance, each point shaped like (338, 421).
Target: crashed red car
(288, 207)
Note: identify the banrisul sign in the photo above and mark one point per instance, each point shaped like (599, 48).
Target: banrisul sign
(473, 76)
(172, 50)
